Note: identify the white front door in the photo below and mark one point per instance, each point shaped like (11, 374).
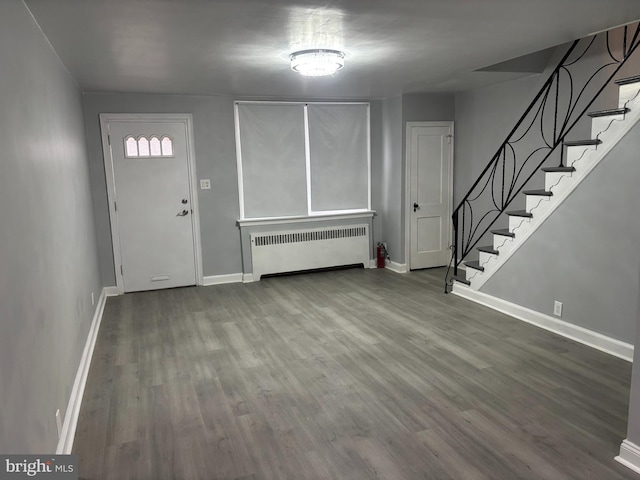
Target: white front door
(152, 204)
(429, 151)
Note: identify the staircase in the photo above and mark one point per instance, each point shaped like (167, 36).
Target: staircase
(537, 142)
(582, 156)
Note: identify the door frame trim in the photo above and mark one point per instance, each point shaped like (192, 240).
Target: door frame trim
(407, 184)
(187, 120)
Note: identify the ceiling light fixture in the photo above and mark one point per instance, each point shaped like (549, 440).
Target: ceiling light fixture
(317, 62)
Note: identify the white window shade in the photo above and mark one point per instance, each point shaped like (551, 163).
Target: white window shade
(302, 159)
(272, 144)
(339, 157)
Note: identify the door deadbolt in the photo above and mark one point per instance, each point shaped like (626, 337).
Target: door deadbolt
(416, 207)
(184, 201)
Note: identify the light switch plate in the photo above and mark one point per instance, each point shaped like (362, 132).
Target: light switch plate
(557, 308)
(205, 184)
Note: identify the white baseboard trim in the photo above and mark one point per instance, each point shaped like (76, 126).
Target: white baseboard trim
(373, 263)
(68, 432)
(574, 332)
(396, 267)
(111, 291)
(222, 279)
(247, 278)
(629, 455)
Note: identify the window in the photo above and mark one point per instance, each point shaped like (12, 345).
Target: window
(154, 144)
(302, 159)
(143, 147)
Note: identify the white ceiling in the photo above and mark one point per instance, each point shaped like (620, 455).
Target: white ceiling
(241, 47)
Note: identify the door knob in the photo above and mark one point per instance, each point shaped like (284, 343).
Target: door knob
(183, 213)
(415, 206)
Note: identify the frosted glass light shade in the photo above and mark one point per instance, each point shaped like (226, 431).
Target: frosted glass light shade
(317, 62)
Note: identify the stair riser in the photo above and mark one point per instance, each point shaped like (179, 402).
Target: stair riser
(517, 222)
(552, 179)
(475, 280)
(602, 124)
(474, 276)
(575, 154)
(535, 201)
(500, 241)
(543, 207)
(627, 94)
(485, 258)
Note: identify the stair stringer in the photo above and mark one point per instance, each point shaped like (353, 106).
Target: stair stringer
(610, 130)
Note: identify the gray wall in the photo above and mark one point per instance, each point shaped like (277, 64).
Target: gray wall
(586, 254)
(214, 138)
(427, 107)
(484, 117)
(48, 260)
(377, 176)
(391, 208)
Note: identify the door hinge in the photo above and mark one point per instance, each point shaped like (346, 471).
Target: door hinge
(115, 206)
(121, 270)
(109, 139)
(449, 137)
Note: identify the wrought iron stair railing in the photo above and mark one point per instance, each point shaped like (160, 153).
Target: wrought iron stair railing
(580, 77)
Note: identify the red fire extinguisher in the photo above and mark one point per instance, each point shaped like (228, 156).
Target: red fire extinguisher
(381, 255)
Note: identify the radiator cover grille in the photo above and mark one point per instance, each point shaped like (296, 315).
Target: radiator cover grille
(262, 240)
(296, 250)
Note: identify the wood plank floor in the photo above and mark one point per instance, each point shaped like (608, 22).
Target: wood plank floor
(352, 374)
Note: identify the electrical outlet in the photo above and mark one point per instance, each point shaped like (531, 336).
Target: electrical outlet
(93, 301)
(205, 184)
(557, 308)
(59, 422)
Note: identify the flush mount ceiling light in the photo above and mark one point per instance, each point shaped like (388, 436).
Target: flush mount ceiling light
(317, 62)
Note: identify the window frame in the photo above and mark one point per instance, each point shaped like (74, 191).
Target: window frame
(310, 212)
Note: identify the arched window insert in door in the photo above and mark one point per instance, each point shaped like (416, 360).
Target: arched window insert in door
(143, 147)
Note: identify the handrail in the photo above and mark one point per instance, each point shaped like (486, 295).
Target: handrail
(505, 176)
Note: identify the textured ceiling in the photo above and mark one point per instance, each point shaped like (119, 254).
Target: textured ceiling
(241, 47)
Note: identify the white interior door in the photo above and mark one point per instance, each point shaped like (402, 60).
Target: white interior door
(152, 204)
(429, 150)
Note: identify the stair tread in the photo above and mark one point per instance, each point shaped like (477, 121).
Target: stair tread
(488, 249)
(609, 112)
(461, 279)
(504, 232)
(475, 265)
(628, 80)
(519, 213)
(559, 169)
(541, 192)
(582, 143)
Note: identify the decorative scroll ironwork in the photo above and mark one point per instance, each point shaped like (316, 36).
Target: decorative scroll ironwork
(536, 139)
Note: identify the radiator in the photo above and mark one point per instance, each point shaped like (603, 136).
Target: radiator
(297, 250)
